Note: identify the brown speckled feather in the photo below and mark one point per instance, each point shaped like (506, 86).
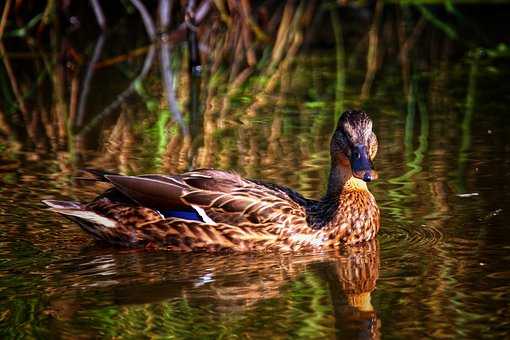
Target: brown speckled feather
(224, 196)
(247, 216)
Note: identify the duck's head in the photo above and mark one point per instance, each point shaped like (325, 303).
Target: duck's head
(354, 145)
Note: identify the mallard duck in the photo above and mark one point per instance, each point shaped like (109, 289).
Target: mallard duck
(213, 210)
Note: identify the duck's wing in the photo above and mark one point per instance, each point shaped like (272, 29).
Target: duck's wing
(135, 226)
(218, 196)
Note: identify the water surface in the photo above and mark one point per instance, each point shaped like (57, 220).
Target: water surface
(439, 268)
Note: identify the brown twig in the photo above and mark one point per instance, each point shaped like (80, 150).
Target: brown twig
(251, 58)
(121, 58)
(282, 35)
(225, 17)
(373, 52)
(246, 12)
(14, 83)
(73, 101)
(5, 13)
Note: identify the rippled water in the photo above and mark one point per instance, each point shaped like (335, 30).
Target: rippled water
(439, 268)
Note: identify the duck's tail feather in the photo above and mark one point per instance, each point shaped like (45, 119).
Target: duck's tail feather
(92, 222)
(63, 205)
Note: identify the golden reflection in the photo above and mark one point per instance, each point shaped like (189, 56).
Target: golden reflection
(227, 283)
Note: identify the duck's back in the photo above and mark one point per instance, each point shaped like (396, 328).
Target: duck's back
(199, 210)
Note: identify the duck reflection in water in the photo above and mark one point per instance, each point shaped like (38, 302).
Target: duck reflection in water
(234, 284)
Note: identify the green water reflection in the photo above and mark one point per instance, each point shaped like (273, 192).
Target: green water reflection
(438, 97)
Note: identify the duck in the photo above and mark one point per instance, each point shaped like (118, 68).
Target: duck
(208, 210)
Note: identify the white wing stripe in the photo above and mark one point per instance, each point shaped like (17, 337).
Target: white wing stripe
(202, 214)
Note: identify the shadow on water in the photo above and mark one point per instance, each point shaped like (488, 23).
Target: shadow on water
(257, 87)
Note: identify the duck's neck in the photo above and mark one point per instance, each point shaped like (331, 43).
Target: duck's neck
(342, 180)
(344, 193)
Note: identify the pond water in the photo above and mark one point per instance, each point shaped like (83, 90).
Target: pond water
(439, 268)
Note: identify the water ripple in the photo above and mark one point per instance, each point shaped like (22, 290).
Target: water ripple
(399, 236)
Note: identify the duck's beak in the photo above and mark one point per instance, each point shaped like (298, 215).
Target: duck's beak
(361, 164)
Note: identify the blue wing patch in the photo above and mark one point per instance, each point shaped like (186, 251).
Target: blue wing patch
(190, 215)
